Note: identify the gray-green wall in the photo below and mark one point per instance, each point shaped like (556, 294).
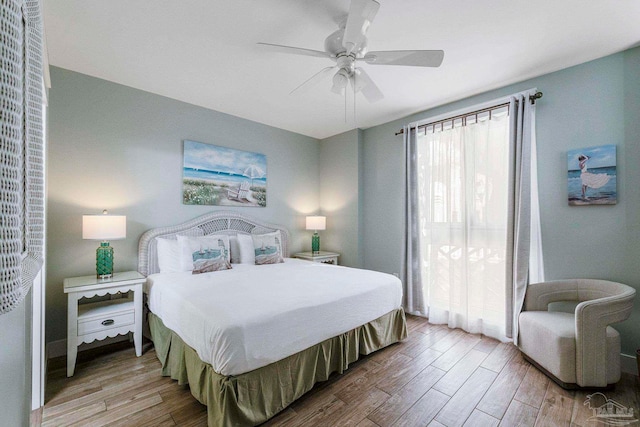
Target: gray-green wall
(15, 365)
(340, 190)
(587, 105)
(111, 146)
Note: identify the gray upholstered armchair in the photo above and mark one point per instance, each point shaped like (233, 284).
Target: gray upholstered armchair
(580, 348)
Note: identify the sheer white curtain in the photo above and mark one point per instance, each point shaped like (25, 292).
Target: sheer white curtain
(463, 183)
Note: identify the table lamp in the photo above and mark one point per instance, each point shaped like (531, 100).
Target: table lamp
(104, 227)
(316, 223)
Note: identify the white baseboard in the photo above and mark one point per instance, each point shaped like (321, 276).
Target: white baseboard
(59, 348)
(628, 364)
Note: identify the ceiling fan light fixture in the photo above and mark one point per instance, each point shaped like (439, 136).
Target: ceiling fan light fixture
(337, 90)
(340, 81)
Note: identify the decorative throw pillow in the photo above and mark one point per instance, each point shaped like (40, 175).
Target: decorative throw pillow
(267, 248)
(204, 254)
(242, 249)
(168, 255)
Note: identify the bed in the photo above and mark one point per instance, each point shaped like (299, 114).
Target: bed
(252, 339)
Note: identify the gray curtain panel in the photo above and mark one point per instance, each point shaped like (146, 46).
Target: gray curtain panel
(522, 138)
(411, 275)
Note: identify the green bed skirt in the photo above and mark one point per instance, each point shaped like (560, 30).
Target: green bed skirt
(252, 398)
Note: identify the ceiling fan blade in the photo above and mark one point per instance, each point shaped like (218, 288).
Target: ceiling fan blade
(363, 83)
(361, 14)
(415, 58)
(313, 80)
(295, 50)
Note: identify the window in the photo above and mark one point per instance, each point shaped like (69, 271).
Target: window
(463, 172)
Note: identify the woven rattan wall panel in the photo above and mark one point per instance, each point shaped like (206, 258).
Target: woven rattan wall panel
(21, 150)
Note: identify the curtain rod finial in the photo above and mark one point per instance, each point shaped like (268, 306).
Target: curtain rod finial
(535, 96)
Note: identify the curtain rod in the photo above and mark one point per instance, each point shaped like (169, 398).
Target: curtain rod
(532, 98)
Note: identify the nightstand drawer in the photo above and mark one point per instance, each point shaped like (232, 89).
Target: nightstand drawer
(89, 326)
(105, 315)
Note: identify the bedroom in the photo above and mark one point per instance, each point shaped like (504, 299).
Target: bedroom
(114, 146)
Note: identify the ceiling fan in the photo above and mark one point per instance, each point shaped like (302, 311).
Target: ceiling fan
(348, 45)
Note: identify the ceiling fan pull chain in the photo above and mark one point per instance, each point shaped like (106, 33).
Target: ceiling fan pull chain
(355, 121)
(345, 105)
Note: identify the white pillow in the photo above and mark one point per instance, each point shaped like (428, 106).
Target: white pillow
(242, 249)
(267, 248)
(235, 250)
(168, 255)
(204, 254)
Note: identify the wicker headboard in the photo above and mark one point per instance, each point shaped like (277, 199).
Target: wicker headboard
(218, 222)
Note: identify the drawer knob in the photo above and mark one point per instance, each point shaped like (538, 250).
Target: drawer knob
(108, 322)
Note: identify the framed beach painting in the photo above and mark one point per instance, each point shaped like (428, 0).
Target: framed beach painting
(221, 176)
(592, 178)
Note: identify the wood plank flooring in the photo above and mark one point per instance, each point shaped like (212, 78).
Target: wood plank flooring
(436, 377)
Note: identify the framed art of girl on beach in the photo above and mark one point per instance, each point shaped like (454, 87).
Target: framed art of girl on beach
(592, 177)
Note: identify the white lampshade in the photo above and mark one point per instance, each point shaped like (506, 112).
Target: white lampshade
(104, 227)
(316, 223)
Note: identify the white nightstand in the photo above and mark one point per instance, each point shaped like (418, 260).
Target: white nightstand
(99, 320)
(323, 257)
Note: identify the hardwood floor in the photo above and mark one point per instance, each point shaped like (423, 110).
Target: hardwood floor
(437, 377)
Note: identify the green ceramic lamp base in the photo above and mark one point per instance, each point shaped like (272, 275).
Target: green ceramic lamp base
(104, 261)
(315, 243)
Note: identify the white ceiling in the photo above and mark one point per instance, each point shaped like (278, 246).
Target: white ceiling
(204, 51)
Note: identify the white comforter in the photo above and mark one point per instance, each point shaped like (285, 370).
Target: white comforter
(242, 319)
